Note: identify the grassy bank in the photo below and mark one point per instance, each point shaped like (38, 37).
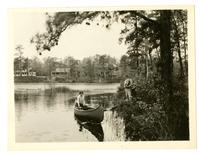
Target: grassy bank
(29, 79)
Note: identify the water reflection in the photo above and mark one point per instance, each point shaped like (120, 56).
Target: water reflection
(94, 128)
(50, 117)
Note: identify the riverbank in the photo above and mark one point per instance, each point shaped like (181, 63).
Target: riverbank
(37, 79)
(145, 115)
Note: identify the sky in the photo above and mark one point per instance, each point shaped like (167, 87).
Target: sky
(79, 41)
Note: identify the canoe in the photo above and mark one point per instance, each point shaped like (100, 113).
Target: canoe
(92, 114)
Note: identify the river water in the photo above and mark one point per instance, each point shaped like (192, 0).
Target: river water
(44, 117)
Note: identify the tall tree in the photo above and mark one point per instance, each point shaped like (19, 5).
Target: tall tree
(73, 65)
(179, 36)
(49, 65)
(88, 69)
(19, 55)
(37, 66)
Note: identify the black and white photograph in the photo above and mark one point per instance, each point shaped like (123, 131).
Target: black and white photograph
(101, 75)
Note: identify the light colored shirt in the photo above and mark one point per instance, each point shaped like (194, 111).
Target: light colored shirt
(81, 99)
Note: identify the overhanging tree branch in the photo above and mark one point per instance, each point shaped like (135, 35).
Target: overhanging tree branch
(144, 17)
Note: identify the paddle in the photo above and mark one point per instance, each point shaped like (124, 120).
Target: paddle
(112, 108)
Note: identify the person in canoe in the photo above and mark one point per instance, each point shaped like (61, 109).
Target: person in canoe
(80, 101)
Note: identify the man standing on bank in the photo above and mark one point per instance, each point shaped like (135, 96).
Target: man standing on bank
(128, 88)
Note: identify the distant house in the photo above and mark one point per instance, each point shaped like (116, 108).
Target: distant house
(24, 73)
(61, 73)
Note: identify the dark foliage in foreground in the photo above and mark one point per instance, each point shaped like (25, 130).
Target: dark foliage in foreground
(145, 116)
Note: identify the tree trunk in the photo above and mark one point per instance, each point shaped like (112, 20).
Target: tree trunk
(150, 57)
(185, 57)
(177, 38)
(166, 68)
(185, 53)
(137, 53)
(165, 47)
(146, 66)
(20, 65)
(27, 67)
(180, 58)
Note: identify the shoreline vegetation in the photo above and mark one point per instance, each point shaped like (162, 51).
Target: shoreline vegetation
(42, 80)
(145, 116)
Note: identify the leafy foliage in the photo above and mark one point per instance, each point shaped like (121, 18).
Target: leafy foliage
(145, 116)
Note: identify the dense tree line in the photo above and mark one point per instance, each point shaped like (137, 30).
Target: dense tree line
(99, 68)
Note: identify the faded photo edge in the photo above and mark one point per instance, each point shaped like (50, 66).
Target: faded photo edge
(12, 145)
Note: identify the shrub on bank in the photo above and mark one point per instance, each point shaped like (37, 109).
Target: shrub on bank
(145, 116)
(143, 121)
